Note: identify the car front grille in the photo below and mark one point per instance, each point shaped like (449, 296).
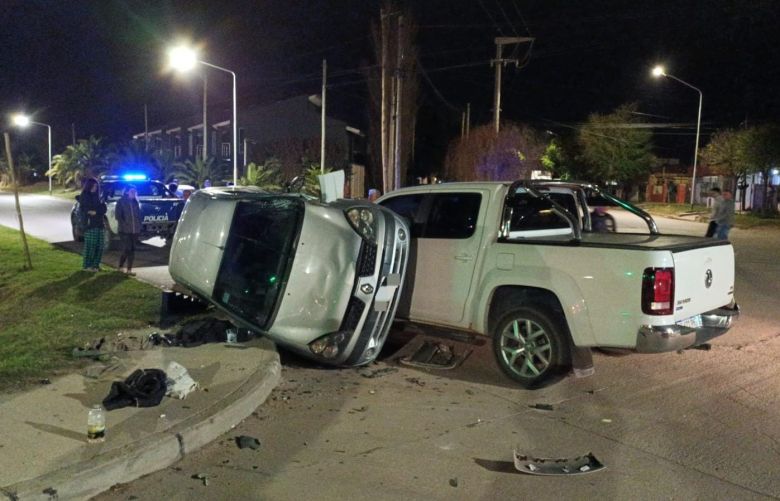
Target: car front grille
(366, 259)
(354, 312)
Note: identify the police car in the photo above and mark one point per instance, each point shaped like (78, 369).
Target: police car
(160, 209)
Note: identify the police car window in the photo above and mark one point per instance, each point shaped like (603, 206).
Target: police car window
(408, 207)
(453, 215)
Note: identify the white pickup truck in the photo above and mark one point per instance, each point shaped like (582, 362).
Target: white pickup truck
(519, 262)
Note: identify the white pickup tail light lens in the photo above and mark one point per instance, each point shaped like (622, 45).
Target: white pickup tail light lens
(658, 291)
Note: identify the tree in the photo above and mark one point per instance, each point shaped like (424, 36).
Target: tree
(741, 152)
(726, 155)
(196, 172)
(265, 176)
(88, 157)
(559, 158)
(484, 156)
(762, 152)
(614, 147)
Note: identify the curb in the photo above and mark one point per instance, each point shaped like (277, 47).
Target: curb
(158, 451)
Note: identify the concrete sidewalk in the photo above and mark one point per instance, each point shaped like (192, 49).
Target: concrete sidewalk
(43, 449)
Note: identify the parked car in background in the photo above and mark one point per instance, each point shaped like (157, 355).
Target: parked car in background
(160, 209)
(322, 279)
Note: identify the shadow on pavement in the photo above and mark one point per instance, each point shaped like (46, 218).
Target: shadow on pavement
(145, 254)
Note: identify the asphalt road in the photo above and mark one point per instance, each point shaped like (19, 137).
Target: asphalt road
(48, 218)
(695, 425)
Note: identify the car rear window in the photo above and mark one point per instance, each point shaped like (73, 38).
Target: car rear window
(144, 189)
(257, 253)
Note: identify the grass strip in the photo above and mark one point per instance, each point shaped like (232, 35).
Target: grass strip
(47, 311)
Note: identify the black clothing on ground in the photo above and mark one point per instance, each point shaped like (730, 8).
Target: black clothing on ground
(143, 388)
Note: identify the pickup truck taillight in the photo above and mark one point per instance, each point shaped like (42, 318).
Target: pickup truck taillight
(658, 291)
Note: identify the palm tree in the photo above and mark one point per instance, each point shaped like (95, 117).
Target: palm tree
(88, 157)
(265, 176)
(198, 171)
(311, 185)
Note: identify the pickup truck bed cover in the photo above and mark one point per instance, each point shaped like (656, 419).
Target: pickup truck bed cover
(633, 241)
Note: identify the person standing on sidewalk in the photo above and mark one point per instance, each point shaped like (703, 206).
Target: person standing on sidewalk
(93, 210)
(128, 215)
(724, 218)
(718, 199)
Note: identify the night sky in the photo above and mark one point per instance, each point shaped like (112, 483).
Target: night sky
(96, 63)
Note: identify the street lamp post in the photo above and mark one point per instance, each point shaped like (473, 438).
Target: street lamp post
(22, 120)
(659, 71)
(184, 59)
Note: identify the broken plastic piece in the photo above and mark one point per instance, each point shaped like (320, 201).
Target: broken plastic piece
(431, 355)
(542, 407)
(560, 466)
(245, 441)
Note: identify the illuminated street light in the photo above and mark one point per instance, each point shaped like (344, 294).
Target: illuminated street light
(22, 120)
(184, 59)
(659, 71)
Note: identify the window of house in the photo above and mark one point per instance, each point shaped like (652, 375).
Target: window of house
(199, 151)
(225, 150)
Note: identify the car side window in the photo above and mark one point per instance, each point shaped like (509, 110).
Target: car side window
(453, 215)
(408, 207)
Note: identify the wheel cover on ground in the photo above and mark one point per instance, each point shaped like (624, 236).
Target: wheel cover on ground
(526, 348)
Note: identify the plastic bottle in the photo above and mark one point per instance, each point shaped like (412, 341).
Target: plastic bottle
(96, 424)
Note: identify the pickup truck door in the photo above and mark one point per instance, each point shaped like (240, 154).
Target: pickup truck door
(446, 235)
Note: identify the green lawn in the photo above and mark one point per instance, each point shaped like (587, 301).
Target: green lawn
(47, 311)
(43, 189)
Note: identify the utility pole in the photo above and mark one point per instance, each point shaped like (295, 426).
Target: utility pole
(499, 62)
(73, 132)
(205, 151)
(322, 117)
(462, 124)
(146, 128)
(383, 139)
(399, 77)
(468, 118)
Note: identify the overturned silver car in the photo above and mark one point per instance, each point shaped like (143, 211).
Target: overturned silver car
(321, 279)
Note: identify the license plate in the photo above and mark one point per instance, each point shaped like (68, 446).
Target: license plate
(692, 323)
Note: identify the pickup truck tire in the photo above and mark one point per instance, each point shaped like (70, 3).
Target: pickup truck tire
(529, 345)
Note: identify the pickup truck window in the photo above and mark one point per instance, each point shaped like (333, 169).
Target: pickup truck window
(409, 207)
(440, 215)
(256, 256)
(530, 213)
(453, 215)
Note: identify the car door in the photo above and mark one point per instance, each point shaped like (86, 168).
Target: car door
(446, 236)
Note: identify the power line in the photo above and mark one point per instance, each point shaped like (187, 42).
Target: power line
(435, 90)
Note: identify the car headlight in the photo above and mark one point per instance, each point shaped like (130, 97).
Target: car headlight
(363, 222)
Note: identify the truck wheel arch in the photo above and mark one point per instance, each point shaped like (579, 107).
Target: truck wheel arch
(506, 297)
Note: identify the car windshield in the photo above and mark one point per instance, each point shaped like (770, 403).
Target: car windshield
(257, 257)
(144, 189)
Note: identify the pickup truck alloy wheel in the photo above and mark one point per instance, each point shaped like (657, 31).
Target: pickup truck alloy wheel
(528, 345)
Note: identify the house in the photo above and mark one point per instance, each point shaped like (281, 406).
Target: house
(288, 130)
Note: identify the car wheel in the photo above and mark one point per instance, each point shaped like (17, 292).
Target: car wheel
(77, 237)
(530, 345)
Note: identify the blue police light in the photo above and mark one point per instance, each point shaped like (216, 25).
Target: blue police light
(134, 177)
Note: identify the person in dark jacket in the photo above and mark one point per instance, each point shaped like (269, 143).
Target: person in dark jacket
(93, 211)
(128, 215)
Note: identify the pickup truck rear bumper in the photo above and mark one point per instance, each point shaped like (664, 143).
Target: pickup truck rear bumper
(661, 338)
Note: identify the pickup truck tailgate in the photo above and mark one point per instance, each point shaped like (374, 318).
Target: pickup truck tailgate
(704, 280)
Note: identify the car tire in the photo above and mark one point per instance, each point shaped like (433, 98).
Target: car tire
(77, 237)
(531, 345)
